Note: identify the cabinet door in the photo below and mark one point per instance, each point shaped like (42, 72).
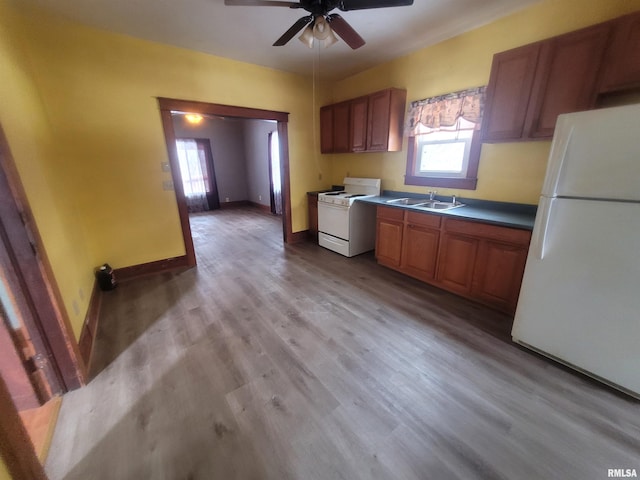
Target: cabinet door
(498, 274)
(378, 121)
(566, 78)
(457, 261)
(508, 93)
(622, 64)
(420, 251)
(326, 129)
(389, 226)
(359, 109)
(341, 128)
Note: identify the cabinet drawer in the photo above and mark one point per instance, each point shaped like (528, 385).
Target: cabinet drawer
(391, 213)
(484, 230)
(423, 219)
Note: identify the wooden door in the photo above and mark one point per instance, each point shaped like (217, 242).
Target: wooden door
(55, 358)
(389, 229)
(622, 64)
(498, 274)
(358, 112)
(458, 255)
(508, 93)
(566, 78)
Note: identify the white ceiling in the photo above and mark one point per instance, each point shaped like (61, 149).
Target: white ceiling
(247, 33)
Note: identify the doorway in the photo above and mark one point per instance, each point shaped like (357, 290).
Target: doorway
(167, 106)
(39, 358)
(275, 181)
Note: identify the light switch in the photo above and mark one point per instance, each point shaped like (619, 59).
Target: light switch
(167, 185)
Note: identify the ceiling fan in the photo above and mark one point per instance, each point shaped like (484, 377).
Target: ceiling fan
(321, 24)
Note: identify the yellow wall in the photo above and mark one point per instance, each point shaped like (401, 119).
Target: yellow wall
(40, 166)
(4, 474)
(80, 112)
(508, 172)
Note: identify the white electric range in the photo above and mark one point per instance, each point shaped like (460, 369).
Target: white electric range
(346, 226)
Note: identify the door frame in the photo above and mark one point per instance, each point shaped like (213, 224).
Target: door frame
(37, 281)
(168, 105)
(16, 448)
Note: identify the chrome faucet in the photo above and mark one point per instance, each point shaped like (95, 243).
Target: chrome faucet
(453, 199)
(431, 194)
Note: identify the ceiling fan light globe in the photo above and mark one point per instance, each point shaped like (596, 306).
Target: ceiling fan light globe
(307, 36)
(321, 29)
(330, 40)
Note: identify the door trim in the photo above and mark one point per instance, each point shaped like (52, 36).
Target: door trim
(16, 448)
(38, 285)
(167, 105)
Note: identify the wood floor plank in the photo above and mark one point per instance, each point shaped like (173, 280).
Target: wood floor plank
(272, 361)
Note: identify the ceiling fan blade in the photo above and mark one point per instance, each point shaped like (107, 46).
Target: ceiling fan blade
(345, 31)
(262, 3)
(347, 5)
(295, 28)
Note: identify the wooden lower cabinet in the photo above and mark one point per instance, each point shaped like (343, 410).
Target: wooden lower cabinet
(389, 230)
(476, 260)
(498, 274)
(312, 199)
(420, 245)
(457, 262)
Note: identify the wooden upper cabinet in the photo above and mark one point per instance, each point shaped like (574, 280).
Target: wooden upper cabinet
(566, 78)
(372, 123)
(531, 85)
(326, 129)
(359, 111)
(385, 121)
(508, 92)
(341, 121)
(622, 61)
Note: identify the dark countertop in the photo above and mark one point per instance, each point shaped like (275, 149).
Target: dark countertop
(514, 215)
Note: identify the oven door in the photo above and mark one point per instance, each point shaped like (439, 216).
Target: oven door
(333, 220)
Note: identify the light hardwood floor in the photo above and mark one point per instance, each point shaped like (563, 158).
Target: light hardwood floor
(293, 362)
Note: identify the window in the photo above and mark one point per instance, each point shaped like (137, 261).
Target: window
(444, 142)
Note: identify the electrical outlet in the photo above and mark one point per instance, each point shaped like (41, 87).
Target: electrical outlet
(81, 293)
(259, 197)
(164, 166)
(226, 199)
(76, 309)
(167, 185)
(319, 176)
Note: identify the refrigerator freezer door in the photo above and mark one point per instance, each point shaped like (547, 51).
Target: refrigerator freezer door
(596, 154)
(580, 304)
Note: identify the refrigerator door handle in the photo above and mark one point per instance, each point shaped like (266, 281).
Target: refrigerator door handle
(559, 149)
(541, 227)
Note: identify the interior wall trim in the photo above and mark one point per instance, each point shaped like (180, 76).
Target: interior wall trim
(90, 326)
(150, 268)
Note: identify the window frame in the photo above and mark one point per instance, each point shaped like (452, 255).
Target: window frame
(469, 182)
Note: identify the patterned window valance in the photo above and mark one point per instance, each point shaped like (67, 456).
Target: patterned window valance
(454, 111)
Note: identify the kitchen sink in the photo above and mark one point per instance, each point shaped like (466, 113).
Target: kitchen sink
(408, 201)
(437, 205)
(425, 203)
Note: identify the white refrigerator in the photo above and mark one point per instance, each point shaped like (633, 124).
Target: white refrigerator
(580, 297)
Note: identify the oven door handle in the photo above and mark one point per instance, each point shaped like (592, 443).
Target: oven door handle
(332, 205)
